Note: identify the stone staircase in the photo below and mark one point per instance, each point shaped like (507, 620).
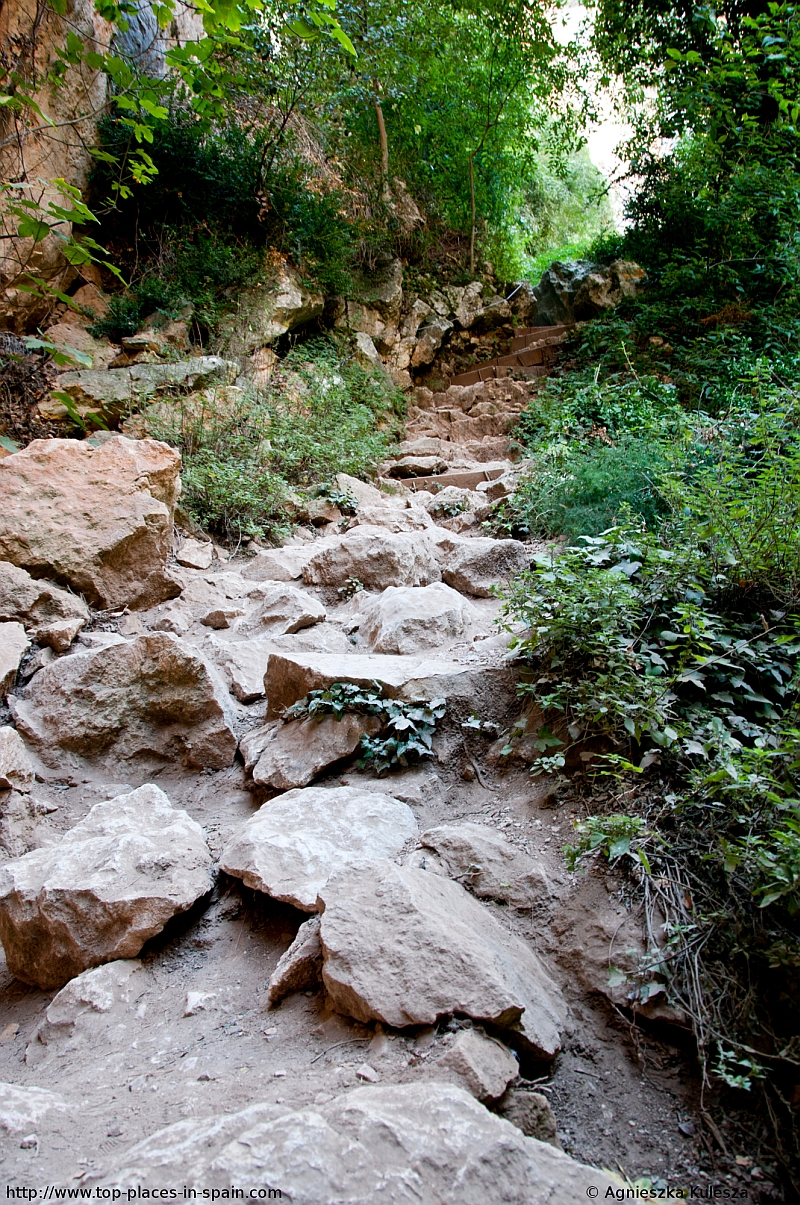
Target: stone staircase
(532, 351)
(460, 435)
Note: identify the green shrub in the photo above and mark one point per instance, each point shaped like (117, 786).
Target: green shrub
(244, 451)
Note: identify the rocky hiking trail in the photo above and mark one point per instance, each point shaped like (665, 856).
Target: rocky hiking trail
(233, 956)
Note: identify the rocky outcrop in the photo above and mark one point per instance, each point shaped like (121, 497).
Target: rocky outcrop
(271, 310)
(426, 1142)
(405, 947)
(51, 616)
(95, 518)
(293, 845)
(574, 291)
(409, 619)
(111, 882)
(151, 699)
(110, 393)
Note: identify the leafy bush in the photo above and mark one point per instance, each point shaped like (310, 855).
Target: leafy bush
(408, 727)
(244, 451)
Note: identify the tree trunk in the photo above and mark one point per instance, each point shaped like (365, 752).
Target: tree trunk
(384, 141)
(472, 214)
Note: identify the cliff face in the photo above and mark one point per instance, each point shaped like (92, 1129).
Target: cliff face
(35, 151)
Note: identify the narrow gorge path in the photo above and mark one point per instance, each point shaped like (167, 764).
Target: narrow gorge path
(455, 960)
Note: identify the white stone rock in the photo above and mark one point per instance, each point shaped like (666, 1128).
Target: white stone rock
(21, 1107)
(491, 867)
(14, 644)
(72, 1012)
(198, 1002)
(375, 557)
(397, 1144)
(300, 967)
(153, 697)
(244, 663)
(112, 882)
(476, 566)
(467, 688)
(406, 947)
(407, 619)
(280, 564)
(364, 493)
(98, 518)
(485, 1065)
(280, 610)
(16, 771)
(299, 750)
(50, 615)
(293, 844)
(195, 555)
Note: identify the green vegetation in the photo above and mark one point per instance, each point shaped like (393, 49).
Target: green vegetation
(245, 451)
(407, 728)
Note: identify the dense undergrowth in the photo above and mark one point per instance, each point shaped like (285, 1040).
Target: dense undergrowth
(246, 453)
(663, 636)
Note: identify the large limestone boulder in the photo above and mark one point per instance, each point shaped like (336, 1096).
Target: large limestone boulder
(280, 564)
(70, 1019)
(50, 615)
(577, 290)
(292, 846)
(98, 519)
(476, 566)
(300, 750)
(375, 557)
(153, 698)
(406, 947)
(403, 1144)
(111, 882)
(491, 867)
(14, 644)
(467, 688)
(243, 664)
(408, 619)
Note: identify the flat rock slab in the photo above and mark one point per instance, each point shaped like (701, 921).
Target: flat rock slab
(491, 867)
(406, 947)
(293, 844)
(476, 566)
(96, 518)
(409, 619)
(375, 557)
(402, 1144)
(280, 564)
(290, 677)
(23, 1107)
(14, 644)
(50, 615)
(151, 698)
(195, 554)
(111, 882)
(298, 751)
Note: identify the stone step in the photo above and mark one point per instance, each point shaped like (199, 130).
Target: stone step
(464, 480)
